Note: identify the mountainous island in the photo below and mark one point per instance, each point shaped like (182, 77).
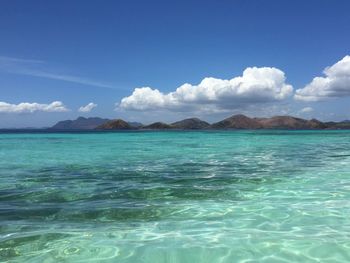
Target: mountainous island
(239, 121)
(80, 124)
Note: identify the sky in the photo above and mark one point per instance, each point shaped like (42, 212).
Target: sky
(168, 60)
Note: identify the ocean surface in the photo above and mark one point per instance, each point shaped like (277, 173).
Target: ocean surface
(228, 196)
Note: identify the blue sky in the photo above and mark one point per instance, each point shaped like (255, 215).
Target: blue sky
(59, 56)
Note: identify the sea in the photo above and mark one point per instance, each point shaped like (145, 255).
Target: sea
(175, 196)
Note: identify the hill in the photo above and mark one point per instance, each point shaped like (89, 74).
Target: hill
(191, 124)
(118, 124)
(278, 122)
(157, 126)
(237, 122)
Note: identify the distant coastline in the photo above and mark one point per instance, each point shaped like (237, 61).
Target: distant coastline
(235, 122)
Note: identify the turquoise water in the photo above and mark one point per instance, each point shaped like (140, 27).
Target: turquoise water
(240, 196)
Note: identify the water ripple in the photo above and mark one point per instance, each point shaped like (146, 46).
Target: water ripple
(265, 196)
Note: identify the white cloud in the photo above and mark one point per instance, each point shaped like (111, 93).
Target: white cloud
(26, 107)
(307, 110)
(88, 107)
(256, 85)
(336, 83)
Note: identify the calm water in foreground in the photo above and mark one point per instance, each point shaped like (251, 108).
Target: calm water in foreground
(266, 196)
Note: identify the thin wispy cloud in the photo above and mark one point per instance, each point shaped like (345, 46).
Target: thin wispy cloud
(8, 60)
(30, 67)
(68, 78)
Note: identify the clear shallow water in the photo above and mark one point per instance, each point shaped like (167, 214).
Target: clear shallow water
(265, 196)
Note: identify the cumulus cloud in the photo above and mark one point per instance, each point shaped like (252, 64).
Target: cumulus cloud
(307, 110)
(335, 83)
(26, 107)
(87, 108)
(256, 85)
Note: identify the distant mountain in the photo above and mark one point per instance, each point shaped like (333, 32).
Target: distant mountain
(191, 124)
(316, 124)
(80, 123)
(83, 123)
(343, 125)
(278, 122)
(288, 122)
(115, 125)
(237, 122)
(135, 124)
(158, 126)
